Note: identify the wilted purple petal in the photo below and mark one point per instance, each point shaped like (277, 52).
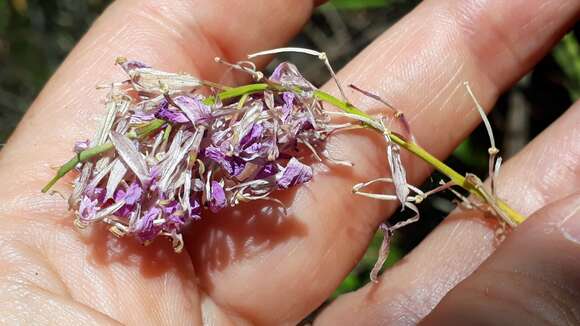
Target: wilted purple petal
(87, 208)
(398, 172)
(174, 215)
(194, 109)
(288, 98)
(253, 136)
(133, 195)
(232, 165)
(218, 197)
(95, 193)
(129, 65)
(252, 146)
(288, 75)
(155, 171)
(171, 207)
(175, 221)
(141, 117)
(81, 145)
(299, 125)
(295, 173)
(144, 227)
(195, 209)
(267, 170)
(168, 114)
(125, 211)
(130, 197)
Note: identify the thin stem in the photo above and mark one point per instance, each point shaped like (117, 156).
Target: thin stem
(81, 157)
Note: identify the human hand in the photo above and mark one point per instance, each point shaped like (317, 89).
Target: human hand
(243, 268)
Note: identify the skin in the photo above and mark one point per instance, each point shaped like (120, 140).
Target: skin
(238, 269)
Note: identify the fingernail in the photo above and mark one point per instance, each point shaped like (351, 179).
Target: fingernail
(570, 223)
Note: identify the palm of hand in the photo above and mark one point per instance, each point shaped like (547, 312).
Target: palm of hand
(247, 266)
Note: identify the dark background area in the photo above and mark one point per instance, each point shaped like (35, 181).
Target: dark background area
(36, 35)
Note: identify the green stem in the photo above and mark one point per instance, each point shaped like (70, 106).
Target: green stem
(514, 217)
(89, 153)
(81, 157)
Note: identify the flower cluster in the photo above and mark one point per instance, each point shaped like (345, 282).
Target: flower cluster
(173, 153)
(167, 152)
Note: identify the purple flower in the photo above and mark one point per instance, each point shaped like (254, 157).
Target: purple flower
(144, 228)
(141, 117)
(250, 145)
(218, 197)
(288, 75)
(131, 196)
(171, 207)
(170, 115)
(194, 109)
(133, 193)
(88, 208)
(288, 98)
(129, 65)
(253, 136)
(81, 145)
(174, 215)
(195, 209)
(267, 171)
(294, 174)
(232, 165)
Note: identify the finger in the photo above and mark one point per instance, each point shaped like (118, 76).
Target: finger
(532, 279)
(419, 66)
(546, 170)
(170, 35)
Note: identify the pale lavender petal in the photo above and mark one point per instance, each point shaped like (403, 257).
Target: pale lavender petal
(141, 117)
(288, 75)
(119, 195)
(294, 174)
(194, 109)
(288, 98)
(195, 209)
(218, 197)
(267, 171)
(87, 208)
(129, 65)
(133, 194)
(170, 115)
(81, 145)
(232, 165)
(97, 193)
(175, 222)
(253, 136)
(144, 228)
(398, 172)
(131, 156)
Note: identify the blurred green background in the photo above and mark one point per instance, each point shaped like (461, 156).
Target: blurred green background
(36, 35)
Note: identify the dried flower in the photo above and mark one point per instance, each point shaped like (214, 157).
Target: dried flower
(294, 174)
(175, 152)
